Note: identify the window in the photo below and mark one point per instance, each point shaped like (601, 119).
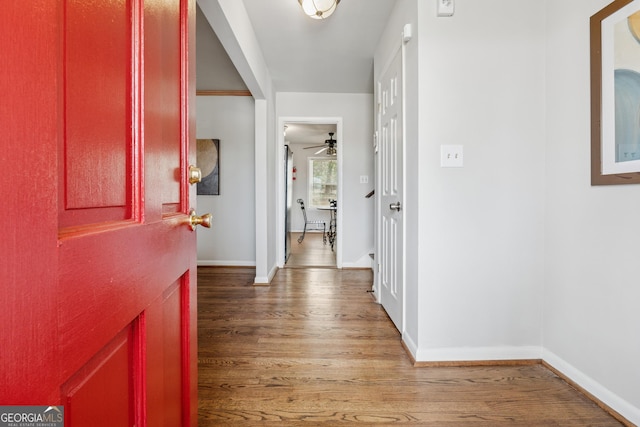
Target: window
(323, 181)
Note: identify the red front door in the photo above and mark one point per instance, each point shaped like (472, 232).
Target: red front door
(98, 291)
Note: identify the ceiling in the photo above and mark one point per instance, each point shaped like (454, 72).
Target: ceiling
(308, 133)
(214, 69)
(302, 54)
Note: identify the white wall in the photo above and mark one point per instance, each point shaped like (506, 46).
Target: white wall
(517, 255)
(475, 244)
(231, 239)
(356, 111)
(272, 141)
(591, 316)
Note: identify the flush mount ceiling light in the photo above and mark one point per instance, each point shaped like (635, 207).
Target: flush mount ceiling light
(318, 9)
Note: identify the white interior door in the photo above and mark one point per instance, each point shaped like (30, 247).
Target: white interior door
(391, 191)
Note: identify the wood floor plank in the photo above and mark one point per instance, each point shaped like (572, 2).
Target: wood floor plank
(313, 348)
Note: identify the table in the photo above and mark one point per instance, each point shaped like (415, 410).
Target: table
(331, 234)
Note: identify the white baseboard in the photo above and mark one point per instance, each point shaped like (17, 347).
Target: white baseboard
(363, 262)
(410, 345)
(212, 263)
(265, 280)
(274, 270)
(593, 387)
(463, 354)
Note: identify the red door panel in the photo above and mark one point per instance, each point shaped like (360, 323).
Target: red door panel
(97, 145)
(171, 350)
(108, 377)
(162, 69)
(98, 290)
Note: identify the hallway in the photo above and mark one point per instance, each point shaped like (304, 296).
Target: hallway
(314, 348)
(312, 252)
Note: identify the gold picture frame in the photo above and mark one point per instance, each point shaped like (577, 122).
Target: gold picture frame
(208, 158)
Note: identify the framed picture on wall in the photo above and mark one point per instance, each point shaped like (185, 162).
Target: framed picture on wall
(615, 94)
(208, 160)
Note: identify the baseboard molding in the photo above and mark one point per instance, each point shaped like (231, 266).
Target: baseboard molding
(273, 272)
(261, 281)
(619, 408)
(265, 281)
(211, 263)
(409, 346)
(231, 267)
(363, 263)
(479, 353)
(497, 362)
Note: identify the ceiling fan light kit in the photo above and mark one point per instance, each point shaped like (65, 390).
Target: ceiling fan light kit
(318, 9)
(329, 147)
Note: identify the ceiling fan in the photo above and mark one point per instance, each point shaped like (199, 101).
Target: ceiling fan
(330, 146)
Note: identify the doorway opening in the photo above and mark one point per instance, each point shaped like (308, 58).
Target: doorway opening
(310, 168)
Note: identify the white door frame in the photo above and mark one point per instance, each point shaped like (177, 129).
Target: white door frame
(280, 193)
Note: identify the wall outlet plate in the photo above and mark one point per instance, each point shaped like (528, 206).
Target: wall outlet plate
(451, 156)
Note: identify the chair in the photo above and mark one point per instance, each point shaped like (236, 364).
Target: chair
(313, 223)
(331, 234)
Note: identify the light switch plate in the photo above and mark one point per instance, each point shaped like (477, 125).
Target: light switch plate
(445, 7)
(451, 156)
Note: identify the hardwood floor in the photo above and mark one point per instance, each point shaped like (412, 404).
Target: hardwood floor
(315, 349)
(312, 252)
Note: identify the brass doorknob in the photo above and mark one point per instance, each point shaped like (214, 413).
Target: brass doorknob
(195, 175)
(203, 220)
